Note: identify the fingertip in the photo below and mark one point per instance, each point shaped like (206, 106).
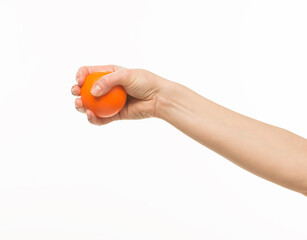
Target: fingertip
(78, 76)
(78, 102)
(80, 79)
(76, 90)
(73, 92)
(81, 75)
(88, 114)
(79, 105)
(96, 90)
(91, 117)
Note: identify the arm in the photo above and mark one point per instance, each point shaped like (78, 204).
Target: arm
(267, 151)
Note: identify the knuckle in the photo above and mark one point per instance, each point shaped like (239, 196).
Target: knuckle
(111, 66)
(126, 73)
(137, 73)
(143, 72)
(81, 69)
(115, 67)
(105, 80)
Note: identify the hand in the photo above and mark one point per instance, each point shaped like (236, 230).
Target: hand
(142, 87)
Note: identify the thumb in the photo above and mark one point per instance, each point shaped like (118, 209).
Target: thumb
(105, 83)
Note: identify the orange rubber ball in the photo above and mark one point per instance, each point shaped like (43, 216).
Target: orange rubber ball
(106, 105)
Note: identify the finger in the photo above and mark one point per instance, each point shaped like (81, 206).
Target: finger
(86, 70)
(76, 90)
(81, 75)
(123, 77)
(104, 68)
(93, 119)
(79, 105)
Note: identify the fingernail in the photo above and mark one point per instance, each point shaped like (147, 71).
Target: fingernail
(73, 91)
(88, 117)
(77, 79)
(96, 89)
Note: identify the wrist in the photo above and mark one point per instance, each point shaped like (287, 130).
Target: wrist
(176, 103)
(166, 99)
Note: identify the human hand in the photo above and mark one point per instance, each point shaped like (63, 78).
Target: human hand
(142, 87)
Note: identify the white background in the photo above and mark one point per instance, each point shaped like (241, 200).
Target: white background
(62, 178)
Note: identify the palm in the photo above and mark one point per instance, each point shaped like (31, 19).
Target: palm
(137, 109)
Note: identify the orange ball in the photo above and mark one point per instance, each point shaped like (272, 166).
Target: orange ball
(106, 105)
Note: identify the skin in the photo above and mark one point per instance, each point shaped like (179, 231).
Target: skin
(268, 151)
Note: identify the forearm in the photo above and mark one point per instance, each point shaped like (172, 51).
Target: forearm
(265, 150)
